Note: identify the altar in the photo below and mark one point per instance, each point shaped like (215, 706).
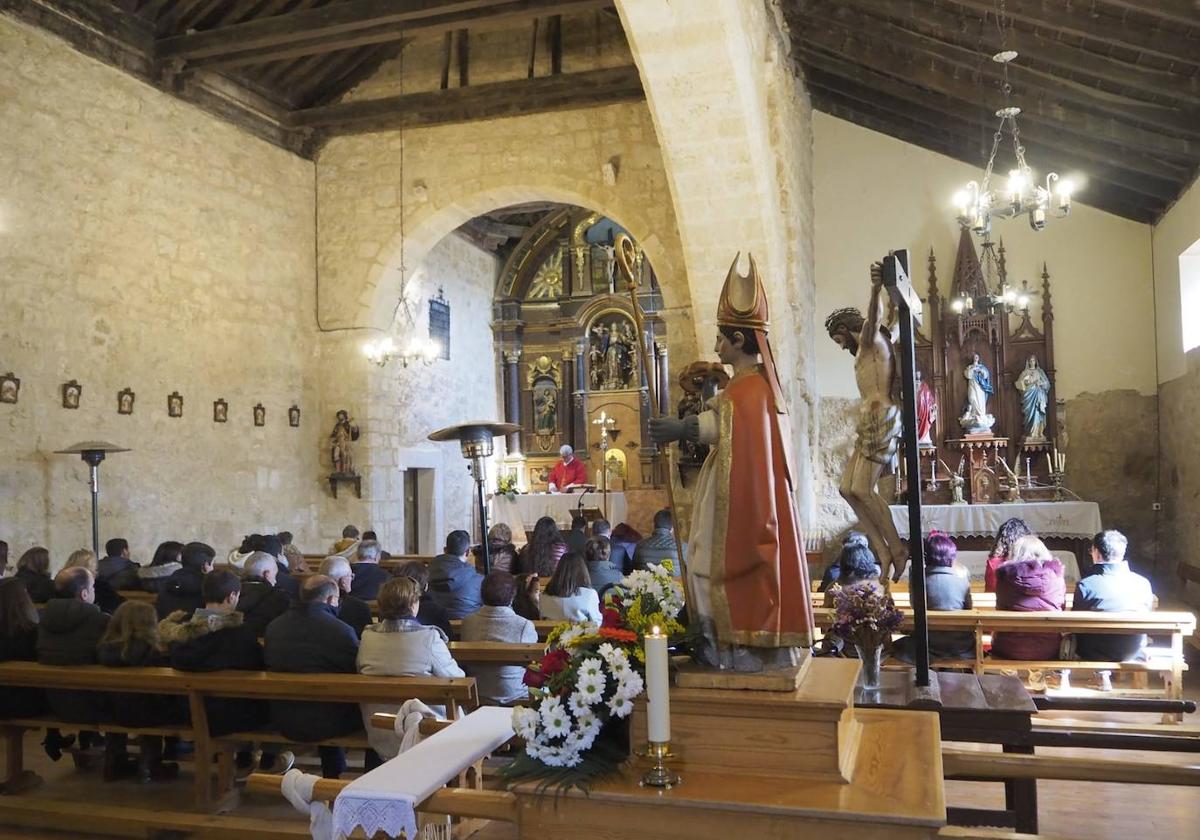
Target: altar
(523, 511)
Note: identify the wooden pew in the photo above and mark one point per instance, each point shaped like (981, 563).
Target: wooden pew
(543, 627)
(496, 653)
(196, 687)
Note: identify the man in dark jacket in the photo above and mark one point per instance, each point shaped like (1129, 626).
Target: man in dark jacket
(353, 611)
(430, 613)
(182, 590)
(368, 574)
(454, 584)
(616, 554)
(660, 545)
(310, 639)
(577, 537)
(285, 581)
(116, 569)
(1111, 587)
(261, 601)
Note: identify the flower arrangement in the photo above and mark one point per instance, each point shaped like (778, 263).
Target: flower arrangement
(864, 614)
(506, 485)
(588, 678)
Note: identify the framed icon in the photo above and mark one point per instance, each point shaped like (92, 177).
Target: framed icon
(71, 392)
(10, 388)
(125, 401)
(294, 416)
(220, 411)
(174, 405)
(260, 415)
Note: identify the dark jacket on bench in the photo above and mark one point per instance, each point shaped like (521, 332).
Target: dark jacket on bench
(21, 702)
(261, 603)
(118, 572)
(180, 592)
(141, 709)
(1112, 587)
(311, 639)
(355, 612)
(211, 641)
(368, 577)
(40, 587)
(68, 633)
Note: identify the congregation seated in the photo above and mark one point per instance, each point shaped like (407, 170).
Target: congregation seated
(261, 602)
(33, 570)
(625, 537)
(131, 640)
(293, 555)
(1031, 580)
(116, 569)
(602, 571)
(501, 551)
(182, 590)
(353, 611)
(165, 563)
(660, 545)
(430, 613)
(310, 639)
(495, 621)
(1007, 534)
(107, 598)
(348, 544)
(400, 645)
(368, 574)
(545, 548)
(453, 581)
(527, 602)
(215, 637)
(569, 596)
(371, 536)
(947, 587)
(577, 537)
(285, 581)
(856, 564)
(617, 553)
(1112, 587)
(833, 574)
(18, 642)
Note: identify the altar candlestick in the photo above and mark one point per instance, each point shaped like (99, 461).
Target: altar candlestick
(1049, 465)
(1028, 472)
(657, 692)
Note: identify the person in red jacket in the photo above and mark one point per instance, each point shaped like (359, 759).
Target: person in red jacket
(1031, 580)
(567, 473)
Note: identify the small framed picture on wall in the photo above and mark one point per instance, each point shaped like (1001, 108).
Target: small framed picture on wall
(125, 401)
(260, 415)
(174, 404)
(220, 411)
(294, 416)
(71, 392)
(10, 388)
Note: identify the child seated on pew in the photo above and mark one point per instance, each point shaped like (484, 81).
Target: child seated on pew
(131, 640)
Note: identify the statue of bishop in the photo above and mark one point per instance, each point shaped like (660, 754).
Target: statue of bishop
(747, 577)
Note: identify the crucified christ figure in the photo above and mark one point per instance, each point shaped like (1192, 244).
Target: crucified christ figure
(870, 341)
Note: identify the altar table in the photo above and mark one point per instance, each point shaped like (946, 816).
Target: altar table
(1070, 520)
(526, 509)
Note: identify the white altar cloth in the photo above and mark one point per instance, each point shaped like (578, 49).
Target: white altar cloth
(1072, 520)
(521, 513)
(386, 798)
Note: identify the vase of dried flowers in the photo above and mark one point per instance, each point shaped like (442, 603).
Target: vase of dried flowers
(865, 616)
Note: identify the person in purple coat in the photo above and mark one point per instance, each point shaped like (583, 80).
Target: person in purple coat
(1031, 580)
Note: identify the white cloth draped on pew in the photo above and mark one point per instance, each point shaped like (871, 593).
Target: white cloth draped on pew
(386, 798)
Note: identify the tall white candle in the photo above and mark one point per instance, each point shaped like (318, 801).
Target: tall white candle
(658, 703)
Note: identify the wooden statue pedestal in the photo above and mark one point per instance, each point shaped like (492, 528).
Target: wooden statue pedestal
(765, 764)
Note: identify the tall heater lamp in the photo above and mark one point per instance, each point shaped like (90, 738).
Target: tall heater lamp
(93, 452)
(476, 440)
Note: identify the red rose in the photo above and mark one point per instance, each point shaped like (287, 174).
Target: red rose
(612, 618)
(534, 679)
(555, 661)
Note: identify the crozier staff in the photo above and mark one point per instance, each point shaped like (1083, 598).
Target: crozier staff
(568, 473)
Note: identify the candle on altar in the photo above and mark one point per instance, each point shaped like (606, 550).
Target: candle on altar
(657, 688)
(1049, 465)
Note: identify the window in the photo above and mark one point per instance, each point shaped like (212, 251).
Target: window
(439, 323)
(1189, 295)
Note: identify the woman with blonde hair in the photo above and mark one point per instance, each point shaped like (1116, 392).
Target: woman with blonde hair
(131, 640)
(33, 570)
(82, 558)
(1031, 580)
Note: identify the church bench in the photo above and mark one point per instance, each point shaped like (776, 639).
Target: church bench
(496, 653)
(196, 687)
(542, 625)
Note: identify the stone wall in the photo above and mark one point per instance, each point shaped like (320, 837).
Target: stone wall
(1179, 524)
(146, 245)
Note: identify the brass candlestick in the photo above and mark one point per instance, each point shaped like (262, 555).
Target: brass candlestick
(660, 776)
(1057, 478)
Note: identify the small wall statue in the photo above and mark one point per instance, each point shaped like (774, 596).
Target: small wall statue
(1034, 385)
(975, 419)
(345, 432)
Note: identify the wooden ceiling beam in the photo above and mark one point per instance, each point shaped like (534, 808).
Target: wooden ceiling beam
(1133, 170)
(353, 23)
(967, 31)
(333, 86)
(1151, 125)
(892, 54)
(1178, 12)
(1091, 21)
(1154, 193)
(492, 100)
(1101, 197)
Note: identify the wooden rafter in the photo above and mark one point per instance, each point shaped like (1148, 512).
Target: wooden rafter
(1180, 12)
(353, 23)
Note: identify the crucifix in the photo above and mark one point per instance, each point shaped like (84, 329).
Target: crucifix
(606, 424)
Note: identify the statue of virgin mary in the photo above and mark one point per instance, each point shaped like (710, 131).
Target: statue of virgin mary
(975, 419)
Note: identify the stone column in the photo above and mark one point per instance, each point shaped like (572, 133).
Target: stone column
(565, 402)
(664, 380)
(579, 400)
(512, 398)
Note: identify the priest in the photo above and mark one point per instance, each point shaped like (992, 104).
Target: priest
(569, 473)
(747, 576)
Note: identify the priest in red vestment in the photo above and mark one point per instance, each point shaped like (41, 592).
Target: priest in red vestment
(568, 472)
(747, 575)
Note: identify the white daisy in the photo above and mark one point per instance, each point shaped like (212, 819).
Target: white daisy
(556, 721)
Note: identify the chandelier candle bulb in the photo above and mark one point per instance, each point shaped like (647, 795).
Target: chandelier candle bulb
(658, 701)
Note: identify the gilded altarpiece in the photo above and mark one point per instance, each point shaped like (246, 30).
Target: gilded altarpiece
(568, 351)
